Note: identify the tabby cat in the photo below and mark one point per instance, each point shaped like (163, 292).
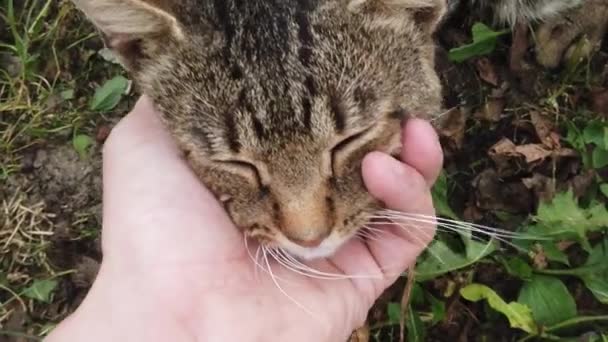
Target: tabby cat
(275, 103)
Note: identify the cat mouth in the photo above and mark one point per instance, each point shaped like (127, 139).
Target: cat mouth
(328, 247)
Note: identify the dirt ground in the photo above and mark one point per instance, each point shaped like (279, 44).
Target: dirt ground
(50, 194)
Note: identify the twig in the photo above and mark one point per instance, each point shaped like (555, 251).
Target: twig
(405, 301)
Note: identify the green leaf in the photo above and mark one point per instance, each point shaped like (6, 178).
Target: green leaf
(415, 327)
(484, 42)
(439, 258)
(82, 144)
(519, 315)
(604, 189)
(67, 94)
(595, 271)
(599, 157)
(437, 308)
(549, 300)
(594, 133)
(393, 311)
(564, 219)
(417, 295)
(575, 137)
(554, 254)
(517, 267)
(41, 290)
(440, 198)
(109, 94)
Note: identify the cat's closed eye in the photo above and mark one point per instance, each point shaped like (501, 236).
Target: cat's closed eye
(243, 168)
(343, 148)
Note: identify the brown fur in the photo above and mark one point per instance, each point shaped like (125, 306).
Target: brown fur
(276, 102)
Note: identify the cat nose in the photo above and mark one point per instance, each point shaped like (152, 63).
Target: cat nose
(308, 243)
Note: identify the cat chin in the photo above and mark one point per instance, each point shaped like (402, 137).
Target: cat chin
(327, 248)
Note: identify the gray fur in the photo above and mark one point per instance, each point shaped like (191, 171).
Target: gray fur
(511, 11)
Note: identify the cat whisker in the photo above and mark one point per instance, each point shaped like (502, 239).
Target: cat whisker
(290, 265)
(439, 228)
(422, 243)
(504, 232)
(463, 226)
(458, 228)
(280, 288)
(433, 120)
(324, 275)
(256, 264)
(405, 226)
(370, 233)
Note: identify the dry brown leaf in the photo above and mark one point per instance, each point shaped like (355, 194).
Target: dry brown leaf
(504, 147)
(519, 47)
(504, 155)
(491, 110)
(487, 71)
(543, 187)
(452, 126)
(533, 152)
(545, 130)
(581, 183)
(599, 101)
(540, 259)
(495, 194)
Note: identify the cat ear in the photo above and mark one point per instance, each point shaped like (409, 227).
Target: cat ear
(126, 24)
(425, 15)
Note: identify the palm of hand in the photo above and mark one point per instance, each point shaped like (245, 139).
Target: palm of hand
(175, 264)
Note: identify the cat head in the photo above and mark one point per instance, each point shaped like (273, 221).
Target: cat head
(276, 102)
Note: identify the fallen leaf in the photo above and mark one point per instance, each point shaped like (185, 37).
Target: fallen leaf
(582, 182)
(494, 194)
(545, 130)
(487, 71)
(506, 154)
(452, 127)
(599, 101)
(533, 152)
(519, 47)
(508, 161)
(542, 186)
(492, 110)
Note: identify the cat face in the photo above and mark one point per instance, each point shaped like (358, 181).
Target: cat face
(275, 103)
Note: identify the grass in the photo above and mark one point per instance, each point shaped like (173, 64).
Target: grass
(50, 69)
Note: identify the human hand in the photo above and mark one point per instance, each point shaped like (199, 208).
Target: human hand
(176, 269)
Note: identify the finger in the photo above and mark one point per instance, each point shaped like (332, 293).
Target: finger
(153, 202)
(421, 149)
(404, 190)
